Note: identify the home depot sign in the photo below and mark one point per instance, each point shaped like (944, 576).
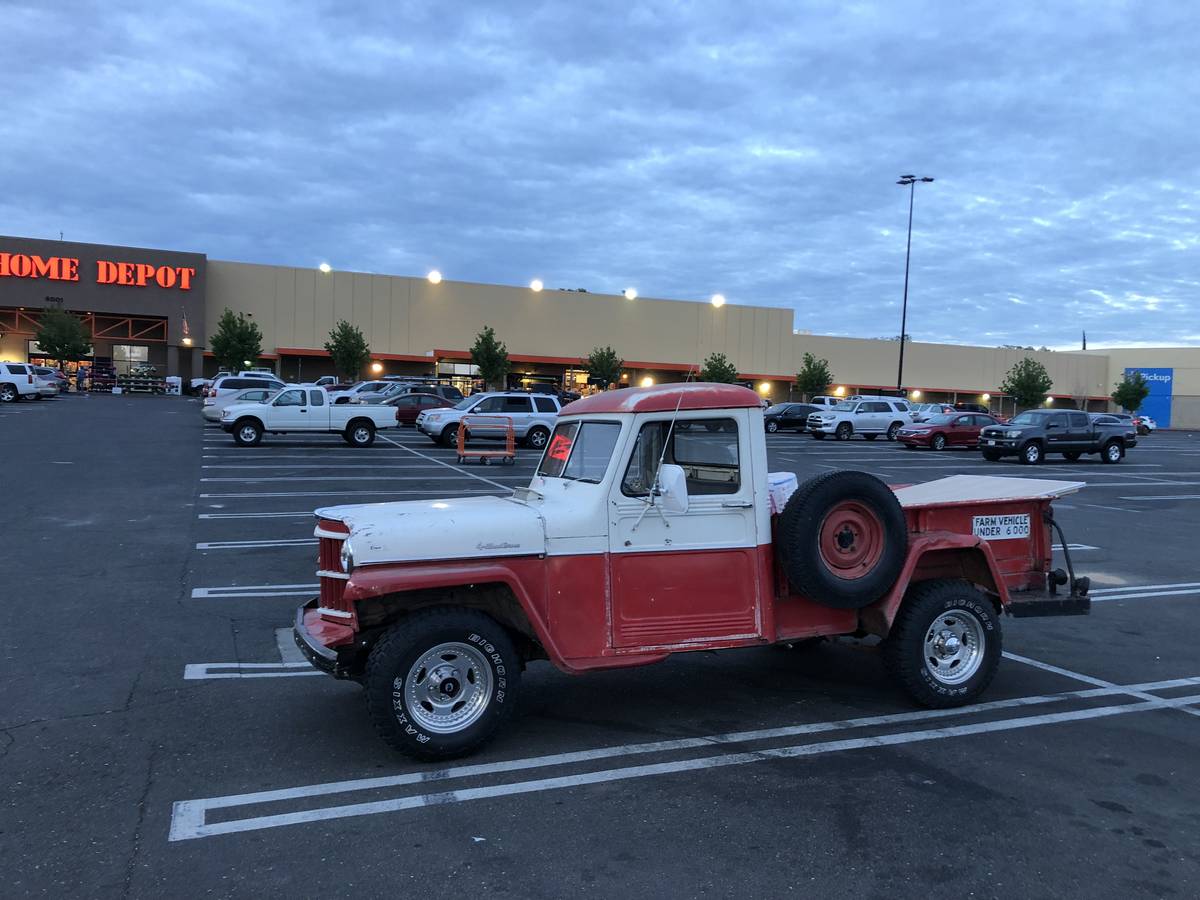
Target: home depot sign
(66, 268)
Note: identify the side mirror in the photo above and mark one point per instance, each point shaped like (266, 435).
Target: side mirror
(672, 487)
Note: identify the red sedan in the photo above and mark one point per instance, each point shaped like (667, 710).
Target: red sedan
(409, 406)
(940, 432)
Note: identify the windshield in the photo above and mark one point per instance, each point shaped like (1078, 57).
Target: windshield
(845, 406)
(940, 420)
(466, 403)
(580, 451)
(1026, 418)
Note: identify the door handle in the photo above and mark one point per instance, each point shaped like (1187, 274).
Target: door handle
(737, 504)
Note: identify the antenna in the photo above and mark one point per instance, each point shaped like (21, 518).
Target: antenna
(656, 487)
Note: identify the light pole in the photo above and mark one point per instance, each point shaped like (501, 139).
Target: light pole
(911, 182)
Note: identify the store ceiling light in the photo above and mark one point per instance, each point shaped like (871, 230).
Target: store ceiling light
(435, 277)
(630, 294)
(325, 267)
(187, 342)
(536, 285)
(718, 300)
(376, 367)
(916, 395)
(764, 388)
(985, 397)
(647, 382)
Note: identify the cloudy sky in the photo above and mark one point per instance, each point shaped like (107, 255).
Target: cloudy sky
(683, 148)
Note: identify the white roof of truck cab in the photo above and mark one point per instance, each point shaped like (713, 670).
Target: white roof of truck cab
(983, 488)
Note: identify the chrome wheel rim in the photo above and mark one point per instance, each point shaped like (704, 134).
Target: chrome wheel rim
(939, 443)
(954, 646)
(248, 433)
(449, 688)
(772, 427)
(538, 439)
(1114, 452)
(361, 435)
(1032, 453)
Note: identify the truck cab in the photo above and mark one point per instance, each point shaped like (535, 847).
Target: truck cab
(653, 527)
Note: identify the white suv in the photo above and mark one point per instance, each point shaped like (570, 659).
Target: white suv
(868, 417)
(533, 416)
(18, 381)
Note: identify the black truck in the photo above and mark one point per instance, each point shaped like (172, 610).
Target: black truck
(1032, 435)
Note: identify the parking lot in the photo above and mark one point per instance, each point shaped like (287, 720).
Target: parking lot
(161, 735)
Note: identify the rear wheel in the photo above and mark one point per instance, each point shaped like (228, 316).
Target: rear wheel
(892, 430)
(772, 426)
(1031, 454)
(944, 646)
(938, 442)
(360, 434)
(8, 393)
(441, 681)
(1112, 452)
(537, 438)
(247, 432)
(845, 431)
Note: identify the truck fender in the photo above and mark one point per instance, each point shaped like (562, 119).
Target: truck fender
(522, 576)
(938, 554)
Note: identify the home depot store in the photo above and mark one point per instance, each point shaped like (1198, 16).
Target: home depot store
(416, 326)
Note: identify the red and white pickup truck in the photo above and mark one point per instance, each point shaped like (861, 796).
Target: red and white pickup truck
(651, 528)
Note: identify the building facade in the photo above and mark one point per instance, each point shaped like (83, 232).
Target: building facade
(159, 306)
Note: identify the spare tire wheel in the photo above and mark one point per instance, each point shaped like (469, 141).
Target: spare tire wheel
(843, 539)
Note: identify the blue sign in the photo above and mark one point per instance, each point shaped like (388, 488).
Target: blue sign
(1158, 404)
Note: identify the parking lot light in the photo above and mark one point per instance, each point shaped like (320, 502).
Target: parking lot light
(910, 182)
(839, 391)
(536, 285)
(435, 277)
(916, 395)
(325, 267)
(985, 397)
(630, 293)
(764, 388)
(718, 300)
(376, 367)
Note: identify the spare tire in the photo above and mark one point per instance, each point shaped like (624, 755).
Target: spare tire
(842, 539)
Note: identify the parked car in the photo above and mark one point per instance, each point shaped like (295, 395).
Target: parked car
(445, 391)
(305, 408)
(533, 416)
(17, 382)
(357, 390)
(825, 400)
(1123, 421)
(409, 406)
(375, 397)
(945, 430)
(972, 407)
(923, 411)
(1144, 424)
(213, 406)
(50, 382)
(1033, 434)
(228, 384)
(326, 381)
(788, 416)
(870, 418)
(636, 539)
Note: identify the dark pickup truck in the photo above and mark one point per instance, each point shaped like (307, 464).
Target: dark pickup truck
(1035, 433)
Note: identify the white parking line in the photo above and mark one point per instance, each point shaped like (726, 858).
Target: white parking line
(253, 495)
(458, 469)
(188, 817)
(220, 671)
(254, 590)
(1164, 497)
(1075, 547)
(254, 545)
(364, 477)
(299, 514)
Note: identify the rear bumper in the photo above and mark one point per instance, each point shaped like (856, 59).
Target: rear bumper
(1037, 604)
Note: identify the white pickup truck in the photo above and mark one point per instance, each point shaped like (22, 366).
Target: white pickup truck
(305, 407)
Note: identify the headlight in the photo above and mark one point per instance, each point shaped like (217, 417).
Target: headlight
(1013, 433)
(346, 557)
(226, 415)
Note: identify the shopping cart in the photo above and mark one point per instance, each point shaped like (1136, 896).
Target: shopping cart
(492, 428)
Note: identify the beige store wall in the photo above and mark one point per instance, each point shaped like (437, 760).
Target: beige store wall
(1185, 393)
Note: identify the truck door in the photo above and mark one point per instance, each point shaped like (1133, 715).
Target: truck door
(1080, 430)
(689, 576)
(290, 412)
(1058, 434)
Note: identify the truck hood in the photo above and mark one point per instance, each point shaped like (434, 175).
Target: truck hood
(418, 530)
(236, 409)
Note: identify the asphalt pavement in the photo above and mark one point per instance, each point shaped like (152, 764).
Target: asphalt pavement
(160, 736)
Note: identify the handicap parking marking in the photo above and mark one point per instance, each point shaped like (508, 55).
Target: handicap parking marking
(189, 818)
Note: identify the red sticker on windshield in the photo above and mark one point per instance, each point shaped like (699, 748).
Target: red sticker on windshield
(560, 448)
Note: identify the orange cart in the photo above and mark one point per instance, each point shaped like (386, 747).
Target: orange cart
(493, 428)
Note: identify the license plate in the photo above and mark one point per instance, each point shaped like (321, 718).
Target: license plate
(1000, 528)
(990, 443)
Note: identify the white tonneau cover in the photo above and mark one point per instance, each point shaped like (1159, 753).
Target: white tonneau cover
(980, 488)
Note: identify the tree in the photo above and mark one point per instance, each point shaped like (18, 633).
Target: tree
(491, 356)
(1131, 391)
(236, 340)
(348, 349)
(1027, 383)
(604, 366)
(814, 376)
(718, 369)
(62, 336)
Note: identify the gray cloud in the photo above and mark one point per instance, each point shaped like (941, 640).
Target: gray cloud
(686, 149)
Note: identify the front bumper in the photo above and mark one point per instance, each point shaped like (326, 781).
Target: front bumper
(343, 660)
(919, 439)
(999, 445)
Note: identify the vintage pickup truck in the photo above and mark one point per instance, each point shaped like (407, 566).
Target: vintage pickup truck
(652, 527)
(305, 407)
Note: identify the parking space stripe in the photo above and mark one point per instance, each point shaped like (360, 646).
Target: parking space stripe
(252, 545)
(299, 514)
(254, 590)
(254, 495)
(188, 820)
(221, 671)
(365, 477)
(1164, 497)
(1145, 587)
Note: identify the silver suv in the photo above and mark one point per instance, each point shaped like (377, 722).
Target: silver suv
(18, 381)
(533, 416)
(869, 417)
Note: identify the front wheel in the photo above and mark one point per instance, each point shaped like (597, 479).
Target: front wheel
(441, 681)
(845, 431)
(938, 442)
(772, 427)
(8, 393)
(944, 646)
(1031, 454)
(893, 429)
(537, 438)
(1112, 452)
(247, 433)
(450, 436)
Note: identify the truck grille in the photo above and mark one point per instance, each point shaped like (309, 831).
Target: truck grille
(332, 580)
